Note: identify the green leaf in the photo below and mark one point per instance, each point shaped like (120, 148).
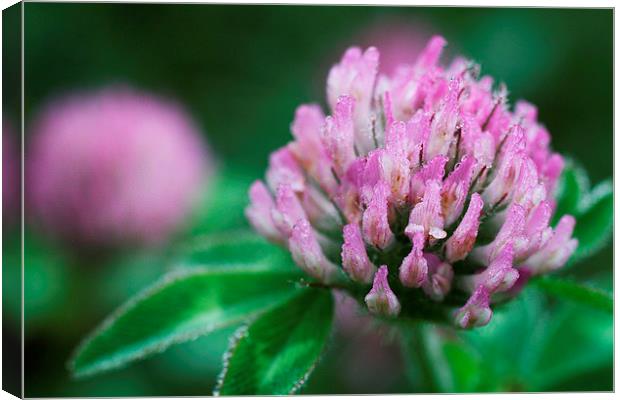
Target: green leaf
(465, 366)
(276, 354)
(573, 187)
(534, 345)
(577, 342)
(592, 209)
(589, 296)
(510, 343)
(595, 221)
(446, 363)
(235, 247)
(194, 364)
(182, 306)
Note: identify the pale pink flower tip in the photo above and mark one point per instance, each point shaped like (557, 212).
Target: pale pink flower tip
(287, 211)
(259, 212)
(375, 221)
(426, 169)
(355, 260)
(455, 189)
(413, 271)
(427, 216)
(430, 55)
(307, 252)
(463, 239)
(381, 300)
(283, 169)
(557, 250)
(499, 276)
(476, 312)
(114, 167)
(339, 135)
(440, 276)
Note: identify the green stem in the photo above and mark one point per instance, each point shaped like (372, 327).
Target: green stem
(417, 361)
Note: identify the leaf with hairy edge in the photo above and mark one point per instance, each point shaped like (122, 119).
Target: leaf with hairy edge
(573, 187)
(275, 354)
(592, 209)
(589, 296)
(236, 247)
(595, 221)
(182, 306)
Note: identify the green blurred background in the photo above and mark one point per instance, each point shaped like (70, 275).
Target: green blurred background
(241, 71)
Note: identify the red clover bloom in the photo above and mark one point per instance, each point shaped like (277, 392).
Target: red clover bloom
(114, 167)
(433, 196)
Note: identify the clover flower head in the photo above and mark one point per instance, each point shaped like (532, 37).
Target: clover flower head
(424, 185)
(114, 167)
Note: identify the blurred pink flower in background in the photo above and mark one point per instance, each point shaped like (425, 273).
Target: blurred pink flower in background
(114, 167)
(10, 174)
(400, 40)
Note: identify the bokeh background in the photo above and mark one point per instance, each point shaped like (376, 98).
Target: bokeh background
(240, 71)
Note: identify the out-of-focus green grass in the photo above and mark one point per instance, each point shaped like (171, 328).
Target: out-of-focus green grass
(241, 71)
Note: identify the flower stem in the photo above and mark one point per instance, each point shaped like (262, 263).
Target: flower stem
(417, 361)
